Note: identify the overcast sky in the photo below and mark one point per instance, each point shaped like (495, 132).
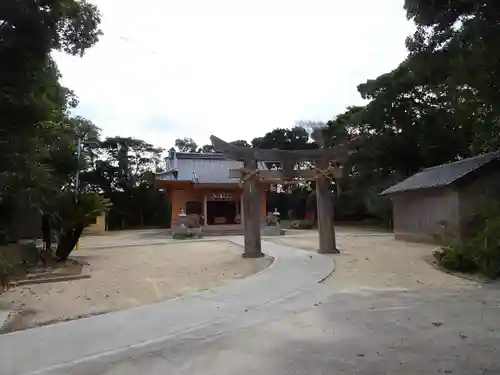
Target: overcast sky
(166, 69)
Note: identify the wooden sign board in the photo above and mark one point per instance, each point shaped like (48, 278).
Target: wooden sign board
(220, 197)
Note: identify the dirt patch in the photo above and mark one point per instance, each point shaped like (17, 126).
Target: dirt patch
(26, 264)
(128, 277)
(376, 260)
(55, 272)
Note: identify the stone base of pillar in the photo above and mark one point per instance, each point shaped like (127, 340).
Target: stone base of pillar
(329, 251)
(252, 255)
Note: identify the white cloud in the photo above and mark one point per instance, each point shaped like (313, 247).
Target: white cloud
(237, 69)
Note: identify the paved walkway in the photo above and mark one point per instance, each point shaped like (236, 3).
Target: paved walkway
(289, 284)
(363, 333)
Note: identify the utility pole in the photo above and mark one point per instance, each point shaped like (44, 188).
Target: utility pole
(77, 179)
(79, 144)
(78, 153)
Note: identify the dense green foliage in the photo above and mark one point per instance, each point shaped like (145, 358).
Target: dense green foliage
(38, 155)
(123, 172)
(38, 134)
(189, 145)
(481, 251)
(458, 41)
(32, 101)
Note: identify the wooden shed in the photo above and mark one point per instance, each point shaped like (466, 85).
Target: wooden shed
(449, 194)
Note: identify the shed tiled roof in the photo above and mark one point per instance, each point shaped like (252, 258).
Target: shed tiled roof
(443, 175)
(204, 168)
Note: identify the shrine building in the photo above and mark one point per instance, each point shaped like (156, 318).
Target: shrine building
(199, 184)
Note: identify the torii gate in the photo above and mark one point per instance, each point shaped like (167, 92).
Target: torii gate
(250, 176)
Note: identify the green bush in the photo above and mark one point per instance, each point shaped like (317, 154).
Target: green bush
(486, 247)
(480, 251)
(458, 257)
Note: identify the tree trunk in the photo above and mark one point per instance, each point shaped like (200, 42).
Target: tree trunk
(68, 241)
(46, 231)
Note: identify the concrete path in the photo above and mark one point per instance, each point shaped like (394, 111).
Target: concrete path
(4, 315)
(290, 284)
(364, 333)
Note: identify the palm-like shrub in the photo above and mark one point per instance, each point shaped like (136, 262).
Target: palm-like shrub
(73, 212)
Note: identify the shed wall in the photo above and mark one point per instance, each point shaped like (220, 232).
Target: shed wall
(475, 195)
(418, 215)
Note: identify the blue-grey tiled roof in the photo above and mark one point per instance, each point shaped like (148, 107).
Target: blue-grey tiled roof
(205, 168)
(443, 175)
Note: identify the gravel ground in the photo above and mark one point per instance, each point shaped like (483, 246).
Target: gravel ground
(128, 277)
(132, 276)
(375, 260)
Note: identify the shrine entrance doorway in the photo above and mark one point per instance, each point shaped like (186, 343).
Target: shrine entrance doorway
(222, 212)
(223, 209)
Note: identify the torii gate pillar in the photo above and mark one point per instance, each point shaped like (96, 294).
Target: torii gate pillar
(251, 216)
(326, 229)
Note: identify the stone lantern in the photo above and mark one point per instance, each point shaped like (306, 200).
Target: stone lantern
(276, 214)
(182, 219)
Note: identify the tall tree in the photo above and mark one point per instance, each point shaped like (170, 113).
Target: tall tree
(241, 142)
(126, 161)
(206, 149)
(438, 105)
(296, 138)
(186, 145)
(124, 172)
(31, 99)
(457, 41)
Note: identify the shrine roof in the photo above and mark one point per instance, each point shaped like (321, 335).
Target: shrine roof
(203, 168)
(200, 155)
